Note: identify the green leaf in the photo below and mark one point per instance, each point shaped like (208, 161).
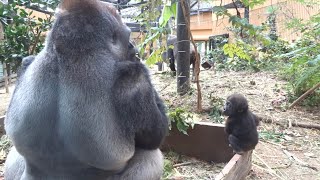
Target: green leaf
(165, 16)
(174, 9)
(155, 56)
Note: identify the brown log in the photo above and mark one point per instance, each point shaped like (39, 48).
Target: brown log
(295, 124)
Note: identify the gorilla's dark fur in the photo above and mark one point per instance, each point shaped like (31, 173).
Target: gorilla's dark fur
(133, 52)
(172, 53)
(83, 108)
(241, 125)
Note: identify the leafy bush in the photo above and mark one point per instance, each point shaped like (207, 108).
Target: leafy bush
(217, 104)
(182, 119)
(303, 69)
(24, 33)
(168, 169)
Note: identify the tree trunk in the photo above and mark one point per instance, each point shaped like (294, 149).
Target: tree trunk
(246, 13)
(5, 75)
(8, 67)
(183, 46)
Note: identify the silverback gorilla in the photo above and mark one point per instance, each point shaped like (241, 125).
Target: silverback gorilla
(81, 108)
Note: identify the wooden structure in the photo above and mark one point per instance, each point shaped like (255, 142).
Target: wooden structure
(208, 142)
(13, 78)
(206, 23)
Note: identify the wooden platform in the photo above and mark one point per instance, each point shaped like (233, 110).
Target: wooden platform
(208, 142)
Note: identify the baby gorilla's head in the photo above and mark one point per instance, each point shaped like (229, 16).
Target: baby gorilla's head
(235, 104)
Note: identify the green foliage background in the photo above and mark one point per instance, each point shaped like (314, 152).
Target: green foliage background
(22, 32)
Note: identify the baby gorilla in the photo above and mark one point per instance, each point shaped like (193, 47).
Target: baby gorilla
(241, 125)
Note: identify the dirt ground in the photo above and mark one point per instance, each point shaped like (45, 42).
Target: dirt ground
(289, 153)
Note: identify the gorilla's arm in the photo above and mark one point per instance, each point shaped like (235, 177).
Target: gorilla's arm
(229, 125)
(151, 137)
(139, 106)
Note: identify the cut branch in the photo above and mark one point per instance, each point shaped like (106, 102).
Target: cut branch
(183, 164)
(303, 96)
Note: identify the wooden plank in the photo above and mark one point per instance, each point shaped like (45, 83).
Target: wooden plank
(206, 141)
(237, 168)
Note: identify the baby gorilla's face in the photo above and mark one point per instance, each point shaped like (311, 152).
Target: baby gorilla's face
(228, 108)
(235, 104)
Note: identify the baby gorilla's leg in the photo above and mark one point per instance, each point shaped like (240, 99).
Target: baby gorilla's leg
(235, 144)
(145, 165)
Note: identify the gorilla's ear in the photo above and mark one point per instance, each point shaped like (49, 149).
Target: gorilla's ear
(70, 4)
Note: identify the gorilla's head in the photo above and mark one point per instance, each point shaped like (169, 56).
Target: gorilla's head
(235, 104)
(93, 23)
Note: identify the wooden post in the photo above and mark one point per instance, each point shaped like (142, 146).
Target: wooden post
(5, 75)
(237, 168)
(183, 46)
